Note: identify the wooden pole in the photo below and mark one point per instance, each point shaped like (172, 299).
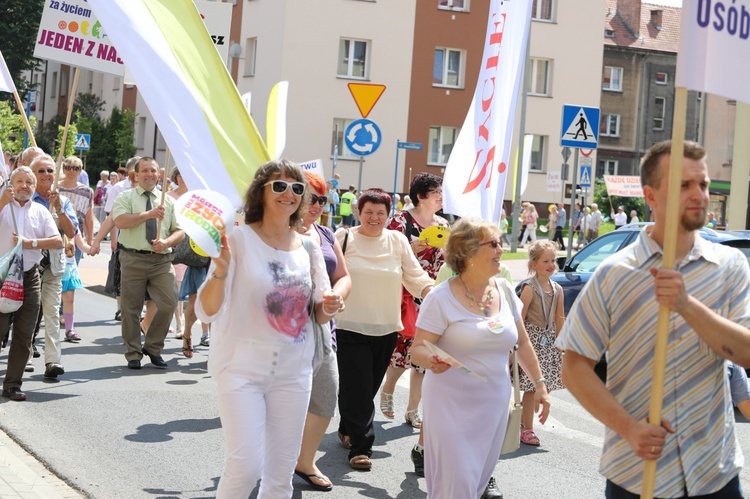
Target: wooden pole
(670, 250)
(71, 101)
(22, 110)
(163, 189)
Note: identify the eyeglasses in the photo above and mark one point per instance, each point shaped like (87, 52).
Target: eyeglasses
(48, 170)
(280, 187)
(494, 243)
(74, 168)
(439, 192)
(321, 200)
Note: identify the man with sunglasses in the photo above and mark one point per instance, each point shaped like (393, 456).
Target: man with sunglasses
(52, 265)
(37, 231)
(146, 262)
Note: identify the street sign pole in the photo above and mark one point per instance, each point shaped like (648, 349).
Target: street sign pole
(359, 182)
(573, 203)
(335, 150)
(395, 178)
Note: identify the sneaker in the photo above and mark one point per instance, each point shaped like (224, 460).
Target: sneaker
(29, 367)
(205, 339)
(491, 491)
(417, 457)
(53, 370)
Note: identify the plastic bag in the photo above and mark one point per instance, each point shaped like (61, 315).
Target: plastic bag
(11, 280)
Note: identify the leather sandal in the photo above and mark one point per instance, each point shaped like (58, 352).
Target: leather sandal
(528, 437)
(414, 418)
(187, 347)
(361, 462)
(386, 405)
(345, 442)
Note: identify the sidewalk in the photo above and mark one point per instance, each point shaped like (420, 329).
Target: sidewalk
(22, 476)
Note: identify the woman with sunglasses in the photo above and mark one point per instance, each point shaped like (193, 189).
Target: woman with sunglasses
(379, 261)
(325, 383)
(470, 318)
(257, 297)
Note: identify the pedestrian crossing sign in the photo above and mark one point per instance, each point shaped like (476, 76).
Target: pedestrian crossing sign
(585, 177)
(580, 127)
(83, 142)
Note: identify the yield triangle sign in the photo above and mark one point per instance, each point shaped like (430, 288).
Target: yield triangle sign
(366, 95)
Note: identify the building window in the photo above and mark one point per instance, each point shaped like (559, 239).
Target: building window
(660, 107)
(64, 77)
(338, 131)
(609, 33)
(662, 78)
(140, 135)
(442, 139)
(459, 5)
(541, 10)
(53, 89)
(606, 167)
(447, 70)
(609, 126)
(538, 151)
(353, 58)
(612, 79)
(539, 77)
(251, 51)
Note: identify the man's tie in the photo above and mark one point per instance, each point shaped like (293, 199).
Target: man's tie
(151, 222)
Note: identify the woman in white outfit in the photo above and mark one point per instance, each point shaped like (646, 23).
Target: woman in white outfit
(470, 318)
(262, 348)
(530, 216)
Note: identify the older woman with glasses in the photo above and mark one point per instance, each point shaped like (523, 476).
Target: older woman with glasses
(380, 261)
(261, 353)
(476, 319)
(325, 382)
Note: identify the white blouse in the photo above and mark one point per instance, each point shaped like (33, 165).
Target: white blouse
(267, 293)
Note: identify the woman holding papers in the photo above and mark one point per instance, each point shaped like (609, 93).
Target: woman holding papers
(474, 318)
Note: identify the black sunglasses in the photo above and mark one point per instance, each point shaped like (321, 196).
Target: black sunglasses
(48, 170)
(494, 243)
(74, 168)
(280, 187)
(321, 200)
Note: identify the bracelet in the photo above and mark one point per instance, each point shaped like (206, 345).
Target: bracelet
(540, 381)
(214, 276)
(559, 316)
(327, 313)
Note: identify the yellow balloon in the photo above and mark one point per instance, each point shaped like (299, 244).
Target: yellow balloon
(196, 248)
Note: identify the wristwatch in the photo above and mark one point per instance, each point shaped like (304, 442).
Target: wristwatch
(34, 243)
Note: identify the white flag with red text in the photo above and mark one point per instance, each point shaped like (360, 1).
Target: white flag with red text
(474, 181)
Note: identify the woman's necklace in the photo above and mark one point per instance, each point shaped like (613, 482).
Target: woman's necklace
(485, 304)
(270, 241)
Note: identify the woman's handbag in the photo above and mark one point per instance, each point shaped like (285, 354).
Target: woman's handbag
(408, 314)
(184, 254)
(512, 440)
(321, 332)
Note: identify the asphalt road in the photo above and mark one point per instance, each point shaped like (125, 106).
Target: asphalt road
(115, 433)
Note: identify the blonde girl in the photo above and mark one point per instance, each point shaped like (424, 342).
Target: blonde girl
(543, 316)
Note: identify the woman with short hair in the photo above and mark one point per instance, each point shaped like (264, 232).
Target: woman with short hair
(379, 262)
(475, 318)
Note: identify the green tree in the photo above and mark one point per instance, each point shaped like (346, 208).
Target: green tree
(12, 128)
(88, 106)
(70, 140)
(17, 38)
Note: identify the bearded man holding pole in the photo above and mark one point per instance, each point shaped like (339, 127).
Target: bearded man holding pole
(707, 295)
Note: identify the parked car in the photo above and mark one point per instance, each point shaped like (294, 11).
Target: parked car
(575, 272)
